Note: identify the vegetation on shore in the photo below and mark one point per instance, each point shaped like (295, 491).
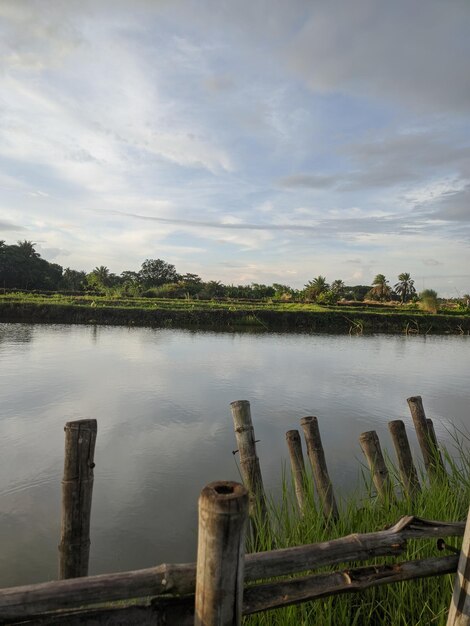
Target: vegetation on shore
(230, 314)
(419, 602)
(22, 268)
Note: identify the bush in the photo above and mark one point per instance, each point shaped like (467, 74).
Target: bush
(428, 300)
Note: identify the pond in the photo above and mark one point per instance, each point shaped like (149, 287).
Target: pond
(161, 398)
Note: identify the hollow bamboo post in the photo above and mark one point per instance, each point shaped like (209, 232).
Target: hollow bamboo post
(249, 462)
(316, 456)
(370, 445)
(223, 515)
(77, 488)
(296, 456)
(459, 612)
(408, 474)
(428, 444)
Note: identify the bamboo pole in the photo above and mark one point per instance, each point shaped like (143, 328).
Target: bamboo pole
(432, 433)
(427, 443)
(274, 595)
(296, 456)
(223, 516)
(19, 603)
(370, 445)
(77, 489)
(409, 476)
(249, 462)
(459, 612)
(316, 456)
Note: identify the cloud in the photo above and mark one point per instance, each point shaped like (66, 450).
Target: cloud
(310, 181)
(8, 226)
(452, 206)
(389, 50)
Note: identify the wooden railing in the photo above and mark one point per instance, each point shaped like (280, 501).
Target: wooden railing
(226, 583)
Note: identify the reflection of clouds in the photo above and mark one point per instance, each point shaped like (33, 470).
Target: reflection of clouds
(161, 398)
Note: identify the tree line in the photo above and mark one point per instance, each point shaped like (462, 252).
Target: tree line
(21, 267)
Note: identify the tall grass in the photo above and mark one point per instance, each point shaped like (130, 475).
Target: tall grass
(420, 602)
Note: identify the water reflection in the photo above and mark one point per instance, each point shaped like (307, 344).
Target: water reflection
(161, 398)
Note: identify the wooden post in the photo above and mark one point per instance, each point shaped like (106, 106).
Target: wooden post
(249, 462)
(432, 433)
(316, 456)
(459, 612)
(370, 445)
(409, 476)
(297, 466)
(428, 443)
(77, 488)
(223, 514)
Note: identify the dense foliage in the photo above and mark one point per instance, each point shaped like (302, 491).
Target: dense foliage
(22, 268)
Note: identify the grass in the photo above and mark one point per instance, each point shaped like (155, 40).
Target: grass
(187, 312)
(421, 602)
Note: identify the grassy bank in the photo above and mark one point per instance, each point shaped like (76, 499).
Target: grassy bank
(274, 315)
(420, 602)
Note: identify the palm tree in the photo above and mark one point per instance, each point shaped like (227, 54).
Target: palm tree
(380, 288)
(405, 286)
(315, 287)
(337, 287)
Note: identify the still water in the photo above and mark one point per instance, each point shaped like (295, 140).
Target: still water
(161, 398)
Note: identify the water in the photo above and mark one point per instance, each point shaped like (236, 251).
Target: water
(161, 398)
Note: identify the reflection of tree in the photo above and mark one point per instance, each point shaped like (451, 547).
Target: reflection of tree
(16, 333)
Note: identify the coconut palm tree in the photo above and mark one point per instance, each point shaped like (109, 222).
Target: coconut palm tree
(405, 286)
(315, 287)
(337, 287)
(380, 288)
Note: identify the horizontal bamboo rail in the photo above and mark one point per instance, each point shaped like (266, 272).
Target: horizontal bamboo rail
(18, 603)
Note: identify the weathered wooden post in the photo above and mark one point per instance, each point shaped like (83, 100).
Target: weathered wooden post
(316, 456)
(431, 455)
(77, 489)
(408, 474)
(370, 445)
(223, 515)
(249, 462)
(459, 612)
(297, 466)
(432, 433)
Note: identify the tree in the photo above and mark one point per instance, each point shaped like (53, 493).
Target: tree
(155, 272)
(101, 278)
(338, 287)
(380, 289)
(315, 287)
(405, 286)
(72, 280)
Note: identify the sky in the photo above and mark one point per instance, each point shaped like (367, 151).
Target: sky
(244, 140)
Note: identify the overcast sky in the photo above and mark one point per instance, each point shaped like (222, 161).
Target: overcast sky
(244, 140)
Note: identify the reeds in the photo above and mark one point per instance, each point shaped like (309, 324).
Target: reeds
(421, 602)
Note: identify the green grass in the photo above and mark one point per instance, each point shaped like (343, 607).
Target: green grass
(420, 602)
(229, 314)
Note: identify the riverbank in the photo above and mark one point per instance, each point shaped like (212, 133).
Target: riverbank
(232, 315)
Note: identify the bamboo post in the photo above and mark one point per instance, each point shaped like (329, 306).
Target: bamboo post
(370, 445)
(223, 515)
(316, 456)
(431, 455)
(249, 462)
(432, 432)
(77, 488)
(409, 476)
(297, 466)
(459, 612)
